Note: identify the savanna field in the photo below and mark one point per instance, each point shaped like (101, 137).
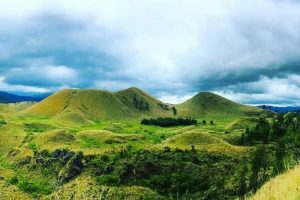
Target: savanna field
(91, 144)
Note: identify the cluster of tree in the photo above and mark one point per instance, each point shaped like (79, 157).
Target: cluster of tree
(140, 104)
(275, 141)
(168, 121)
(163, 106)
(176, 174)
(211, 122)
(166, 107)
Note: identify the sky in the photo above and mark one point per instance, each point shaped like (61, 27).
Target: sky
(247, 51)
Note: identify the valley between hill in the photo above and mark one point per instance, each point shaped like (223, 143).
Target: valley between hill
(90, 144)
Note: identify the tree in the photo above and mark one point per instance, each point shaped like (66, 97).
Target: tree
(211, 122)
(263, 130)
(242, 182)
(204, 122)
(279, 154)
(260, 160)
(242, 139)
(278, 130)
(174, 110)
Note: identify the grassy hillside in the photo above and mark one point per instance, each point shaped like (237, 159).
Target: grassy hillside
(201, 140)
(87, 106)
(285, 186)
(93, 139)
(6, 111)
(21, 106)
(210, 104)
(85, 187)
(242, 123)
(156, 107)
(84, 106)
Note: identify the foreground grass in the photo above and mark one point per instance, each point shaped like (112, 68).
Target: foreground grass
(285, 186)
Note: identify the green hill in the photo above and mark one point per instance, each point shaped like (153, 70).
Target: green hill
(87, 106)
(202, 141)
(210, 104)
(242, 123)
(133, 98)
(90, 104)
(84, 106)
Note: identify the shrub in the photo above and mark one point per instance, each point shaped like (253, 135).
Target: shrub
(168, 121)
(2, 122)
(108, 179)
(14, 180)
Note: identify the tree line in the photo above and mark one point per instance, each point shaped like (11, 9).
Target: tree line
(276, 140)
(168, 121)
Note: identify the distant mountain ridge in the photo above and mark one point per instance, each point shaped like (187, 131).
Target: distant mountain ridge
(6, 97)
(280, 109)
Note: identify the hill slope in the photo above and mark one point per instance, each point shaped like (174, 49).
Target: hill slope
(285, 186)
(82, 105)
(210, 104)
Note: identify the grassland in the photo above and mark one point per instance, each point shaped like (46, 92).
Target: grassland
(94, 140)
(22, 137)
(285, 186)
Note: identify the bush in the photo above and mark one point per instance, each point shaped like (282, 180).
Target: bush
(109, 179)
(2, 122)
(167, 122)
(35, 187)
(14, 180)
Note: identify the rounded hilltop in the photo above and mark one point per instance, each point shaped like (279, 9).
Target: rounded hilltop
(85, 105)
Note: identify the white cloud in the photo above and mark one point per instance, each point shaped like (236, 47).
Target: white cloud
(273, 91)
(39, 75)
(176, 99)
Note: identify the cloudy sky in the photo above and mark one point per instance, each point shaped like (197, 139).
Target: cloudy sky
(248, 51)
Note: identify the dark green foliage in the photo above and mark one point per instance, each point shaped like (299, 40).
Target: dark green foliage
(199, 175)
(2, 122)
(164, 106)
(140, 104)
(73, 168)
(204, 122)
(261, 132)
(35, 187)
(211, 122)
(243, 182)
(37, 127)
(279, 128)
(108, 179)
(63, 164)
(167, 122)
(260, 162)
(14, 180)
(280, 153)
(174, 110)
(279, 138)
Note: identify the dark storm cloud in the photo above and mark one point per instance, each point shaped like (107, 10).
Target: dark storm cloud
(56, 41)
(247, 51)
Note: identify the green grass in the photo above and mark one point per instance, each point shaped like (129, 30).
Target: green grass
(208, 104)
(285, 186)
(101, 123)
